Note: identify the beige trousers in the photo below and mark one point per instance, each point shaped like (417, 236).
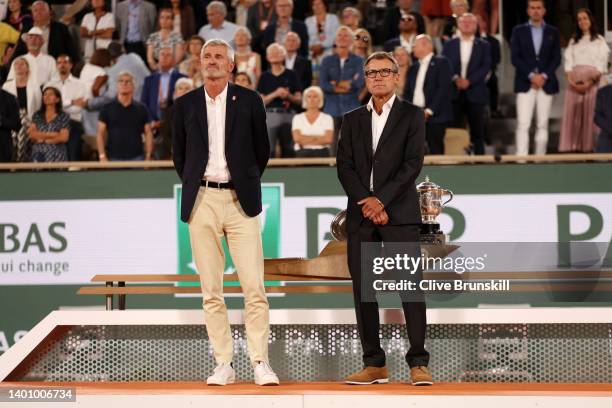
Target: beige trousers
(217, 213)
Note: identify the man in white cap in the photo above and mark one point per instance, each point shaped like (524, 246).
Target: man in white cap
(42, 66)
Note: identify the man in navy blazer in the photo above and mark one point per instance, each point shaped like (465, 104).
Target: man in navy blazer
(429, 85)
(284, 8)
(536, 54)
(470, 59)
(603, 119)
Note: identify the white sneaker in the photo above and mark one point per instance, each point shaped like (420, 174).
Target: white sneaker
(222, 374)
(264, 374)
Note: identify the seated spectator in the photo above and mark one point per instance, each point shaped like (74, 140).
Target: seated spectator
(9, 123)
(458, 8)
(603, 119)
(164, 38)
(183, 21)
(277, 30)
(392, 18)
(182, 86)
(191, 65)
(217, 26)
(42, 66)
(259, 16)
(18, 16)
(586, 59)
(243, 79)
(246, 60)
(158, 88)
(74, 96)
(56, 37)
(300, 65)
(8, 38)
(410, 25)
(362, 44)
(97, 28)
(341, 77)
(279, 88)
(29, 99)
(312, 130)
(121, 125)
(403, 62)
(49, 129)
(322, 27)
(134, 32)
(351, 17)
(470, 59)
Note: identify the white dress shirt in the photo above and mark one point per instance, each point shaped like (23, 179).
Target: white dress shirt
(290, 61)
(378, 124)
(466, 53)
(42, 68)
(419, 96)
(407, 44)
(216, 168)
(71, 88)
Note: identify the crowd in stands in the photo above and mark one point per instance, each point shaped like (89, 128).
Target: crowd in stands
(85, 82)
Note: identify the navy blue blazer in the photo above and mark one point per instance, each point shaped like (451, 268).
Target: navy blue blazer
(298, 27)
(436, 87)
(478, 68)
(150, 91)
(603, 111)
(526, 61)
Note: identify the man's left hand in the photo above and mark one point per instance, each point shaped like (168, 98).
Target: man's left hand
(371, 206)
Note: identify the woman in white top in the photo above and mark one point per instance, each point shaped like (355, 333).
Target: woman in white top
(313, 130)
(322, 27)
(586, 59)
(97, 28)
(246, 60)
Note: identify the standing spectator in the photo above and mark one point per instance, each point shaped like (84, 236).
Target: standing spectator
(536, 55)
(492, 82)
(42, 66)
(603, 119)
(49, 130)
(121, 125)
(135, 21)
(429, 85)
(241, 8)
(312, 130)
(458, 8)
(488, 10)
(18, 16)
(410, 25)
(436, 12)
(277, 30)
(164, 38)
(322, 27)
(217, 26)
(56, 37)
(351, 17)
(97, 28)
(393, 16)
(74, 96)
(8, 37)
(182, 86)
(243, 79)
(158, 88)
(470, 59)
(9, 123)
(586, 59)
(183, 21)
(341, 77)
(403, 62)
(362, 44)
(29, 99)
(259, 16)
(300, 65)
(279, 88)
(191, 65)
(246, 59)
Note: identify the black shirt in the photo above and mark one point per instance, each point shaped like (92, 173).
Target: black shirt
(125, 126)
(269, 83)
(22, 98)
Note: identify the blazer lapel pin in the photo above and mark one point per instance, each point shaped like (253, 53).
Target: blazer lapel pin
(233, 97)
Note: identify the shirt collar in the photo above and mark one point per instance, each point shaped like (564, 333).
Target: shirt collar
(387, 106)
(542, 24)
(425, 60)
(220, 98)
(468, 39)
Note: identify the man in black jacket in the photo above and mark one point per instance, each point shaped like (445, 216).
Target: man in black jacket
(9, 121)
(380, 155)
(221, 149)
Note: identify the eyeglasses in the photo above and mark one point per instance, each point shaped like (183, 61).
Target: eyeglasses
(363, 38)
(385, 72)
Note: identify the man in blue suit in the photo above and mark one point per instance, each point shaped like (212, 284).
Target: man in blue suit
(158, 87)
(603, 119)
(536, 54)
(470, 59)
(429, 85)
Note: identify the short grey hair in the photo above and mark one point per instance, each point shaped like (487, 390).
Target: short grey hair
(316, 90)
(344, 28)
(382, 55)
(218, 41)
(454, 3)
(276, 45)
(291, 3)
(219, 5)
(41, 2)
(125, 73)
(352, 10)
(293, 33)
(186, 81)
(243, 29)
(425, 37)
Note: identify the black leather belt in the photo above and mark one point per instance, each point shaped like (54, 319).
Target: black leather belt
(213, 184)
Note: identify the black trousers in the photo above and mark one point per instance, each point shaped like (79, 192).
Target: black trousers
(476, 120)
(434, 135)
(493, 86)
(75, 141)
(367, 312)
(6, 146)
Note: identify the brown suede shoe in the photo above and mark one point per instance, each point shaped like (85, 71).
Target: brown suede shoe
(420, 376)
(369, 375)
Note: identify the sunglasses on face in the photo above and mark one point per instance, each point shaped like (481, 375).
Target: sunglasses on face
(364, 38)
(385, 72)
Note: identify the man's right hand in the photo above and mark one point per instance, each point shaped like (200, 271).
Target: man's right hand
(382, 218)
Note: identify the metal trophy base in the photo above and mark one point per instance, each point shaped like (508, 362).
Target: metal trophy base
(431, 234)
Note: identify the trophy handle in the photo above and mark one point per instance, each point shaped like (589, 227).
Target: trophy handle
(450, 194)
